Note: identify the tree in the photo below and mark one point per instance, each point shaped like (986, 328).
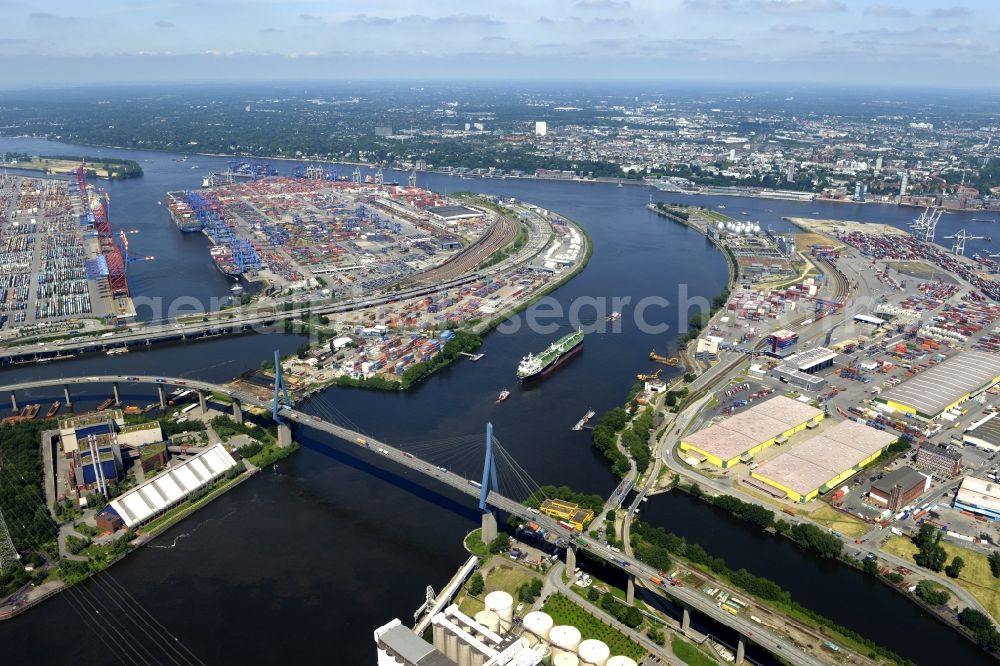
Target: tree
(499, 544)
(930, 594)
(633, 618)
(955, 567)
(995, 563)
(696, 490)
(870, 565)
(932, 554)
(476, 584)
(592, 594)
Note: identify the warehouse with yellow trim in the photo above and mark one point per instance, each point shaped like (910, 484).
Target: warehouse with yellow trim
(567, 511)
(751, 431)
(821, 463)
(936, 390)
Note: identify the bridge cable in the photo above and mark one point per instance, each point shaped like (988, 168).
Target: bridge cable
(132, 608)
(522, 474)
(100, 630)
(121, 622)
(109, 626)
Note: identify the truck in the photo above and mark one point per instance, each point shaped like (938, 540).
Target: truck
(655, 581)
(361, 441)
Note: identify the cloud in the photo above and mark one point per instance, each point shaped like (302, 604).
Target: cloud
(951, 12)
(4, 41)
(468, 19)
(893, 11)
(365, 19)
(164, 24)
(791, 28)
(46, 17)
(310, 17)
(801, 6)
(551, 45)
(546, 20)
(603, 4)
(270, 31)
(495, 38)
(622, 22)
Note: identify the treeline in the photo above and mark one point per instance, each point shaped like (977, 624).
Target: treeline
(118, 169)
(806, 535)
(22, 497)
(636, 439)
(463, 341)
(655, 546)
(981, 627)
(605, 435)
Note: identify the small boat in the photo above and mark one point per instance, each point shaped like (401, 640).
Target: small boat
(743, 212)
(53, 409)
(504, 394)
(159, 203)
(614, 316)
(619, 185)
(721, 206)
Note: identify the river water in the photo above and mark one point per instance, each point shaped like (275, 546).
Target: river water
(303, 561)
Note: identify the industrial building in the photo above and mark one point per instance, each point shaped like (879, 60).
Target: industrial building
(945, 385)
(492, 638)
(567, 511)
(980, 497)
(80, 427)
(453, 213)
(821, 462)
(939, 459)
(782, 343)
(791, 375)
(898, 488)
(984, 434)
(751, 431)
(811, 361)
(173, 486)
(97, 463)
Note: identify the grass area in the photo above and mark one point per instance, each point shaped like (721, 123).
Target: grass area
(564, 611)
(470, 605)
(844, 523)
(474, 544)
(975, 576)
(507, 577)
(689, 653)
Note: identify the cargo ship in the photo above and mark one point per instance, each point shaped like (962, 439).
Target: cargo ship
(181, 213)
(222, 255)
(532, 367)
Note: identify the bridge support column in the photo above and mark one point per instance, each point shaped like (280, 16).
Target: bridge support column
(163, 398)
(114, 392)
(741, 647)
(13, 402)
(570, 559)
(201, 402)
(284, 435)
(489, 527)
(237, 411)
(69, 403)
(686, 620)
(630, 591)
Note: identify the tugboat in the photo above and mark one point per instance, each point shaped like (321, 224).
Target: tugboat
(504, 394)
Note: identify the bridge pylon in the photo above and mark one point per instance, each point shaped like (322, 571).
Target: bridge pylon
(489, 524)
(279, 389)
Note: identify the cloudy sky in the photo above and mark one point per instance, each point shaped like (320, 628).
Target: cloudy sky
(933, 42)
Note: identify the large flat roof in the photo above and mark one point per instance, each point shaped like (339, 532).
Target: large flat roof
(807, 359)
(453, 212)
(765, 420)
(171, 486)
(819, 459)
(979, 493)
(940, 386)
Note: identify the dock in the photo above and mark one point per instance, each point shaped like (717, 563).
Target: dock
(583, 421)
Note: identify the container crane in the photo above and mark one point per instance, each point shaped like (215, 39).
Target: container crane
(958, 247)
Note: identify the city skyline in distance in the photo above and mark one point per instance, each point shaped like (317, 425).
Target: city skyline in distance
(917, 43)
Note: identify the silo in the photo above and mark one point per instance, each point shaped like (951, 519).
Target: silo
(593, 652)
(538, 623)
(478, 658)
(720, 227)
(451, 644)
(621, 660)
(756, 228)
(565, 659)
(564, 638)
(489, 619)
(464, 654)
(439, 637)
(502, 604)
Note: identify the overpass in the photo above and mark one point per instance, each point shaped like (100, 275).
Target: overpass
(485, 492)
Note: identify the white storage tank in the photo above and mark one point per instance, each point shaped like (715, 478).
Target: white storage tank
(621, 660)
(488, 619)
(502, 604)
(594, 652)
(565, 659)
(538, 623)
(564, 638)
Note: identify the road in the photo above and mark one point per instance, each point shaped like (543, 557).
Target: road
(567, 537)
